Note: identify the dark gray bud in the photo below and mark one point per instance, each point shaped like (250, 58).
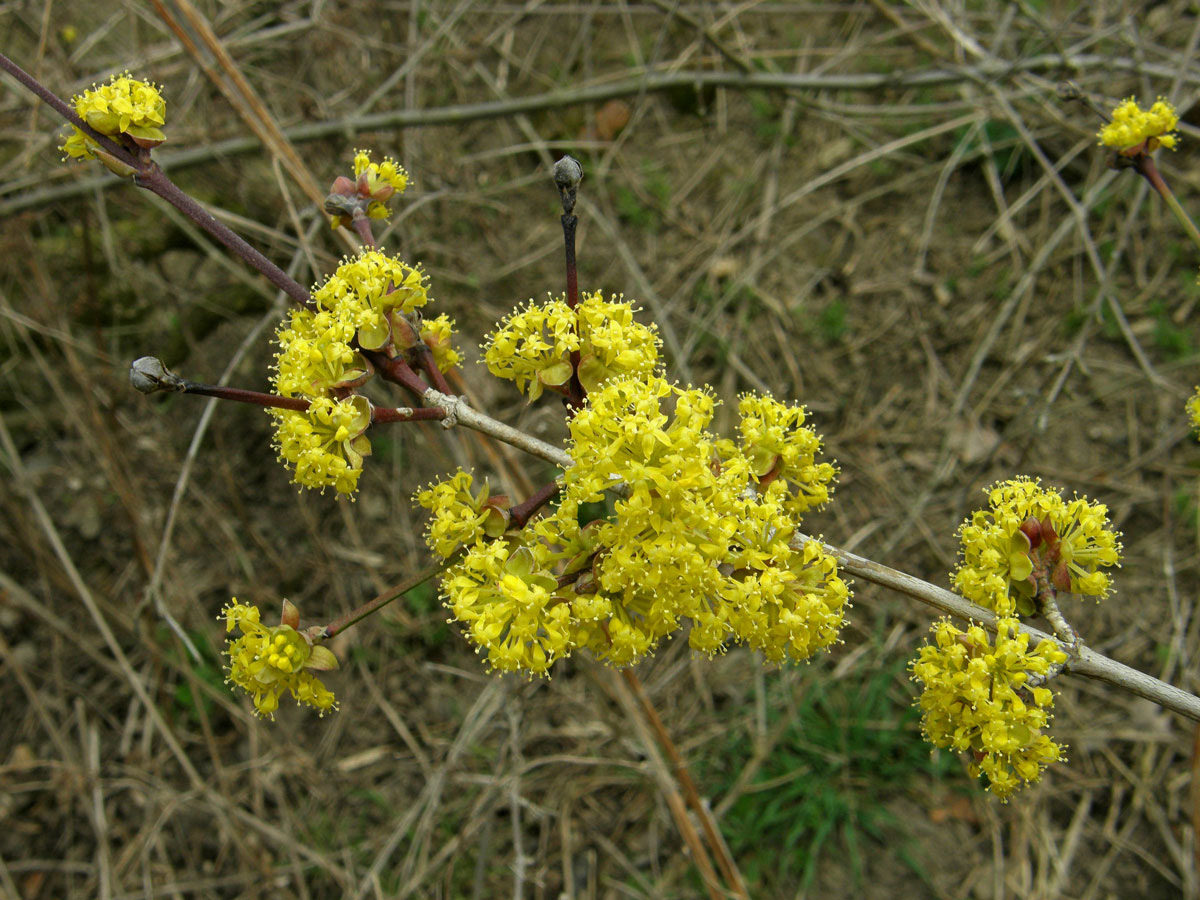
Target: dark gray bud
(149, 375)
(567, 175)
(1068, 90)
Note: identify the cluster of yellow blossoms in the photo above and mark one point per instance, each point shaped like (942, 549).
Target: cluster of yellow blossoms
(459, 517)
(365, 196)
(700, 532)
(1193, 410)
(533, 346)
(268, 661)
(124, 106)
(975, 696)
(977, 700)
(1030, 531)
(371, 302)
(1131, 127)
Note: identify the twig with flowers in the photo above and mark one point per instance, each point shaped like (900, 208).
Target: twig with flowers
(704, 533)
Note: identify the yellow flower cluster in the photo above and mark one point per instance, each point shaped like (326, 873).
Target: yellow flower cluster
(373, 186)
(379, 181)
(325, 445)
(370, 288)
(976, 699)
(1031, 537)
(1193, 410)
(611, 343)
(319, 359)
(316, 355)
(694, 540)
(123, 106)
(436, 333)
(265, 662)
(782, 448)
(1131, 126)
(460, 517)
(533, 346)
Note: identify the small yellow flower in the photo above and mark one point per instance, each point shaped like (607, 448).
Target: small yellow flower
(437, 333)
(265, 662)
(373, 186)
(1193, 410)
(124, 106)
(1134, 129)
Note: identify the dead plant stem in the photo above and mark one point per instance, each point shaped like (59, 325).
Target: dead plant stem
(679, 769)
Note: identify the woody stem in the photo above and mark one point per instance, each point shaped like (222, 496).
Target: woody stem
(1146, 168)
(393, 593)
(520, 514)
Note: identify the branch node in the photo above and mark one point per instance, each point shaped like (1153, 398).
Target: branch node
(449, 402)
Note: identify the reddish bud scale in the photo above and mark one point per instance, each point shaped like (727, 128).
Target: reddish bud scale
(405, 334)
(1032, 529)
(1060, 577)
(1049, 535)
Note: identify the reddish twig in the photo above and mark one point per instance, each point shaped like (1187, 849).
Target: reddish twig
(150, 376)
(362, 227)
(429, 367)
(384, 414)
(1144, 165)
(239, 395)
(520, 514)
(393, 593)
(155, 180)
(397, 371)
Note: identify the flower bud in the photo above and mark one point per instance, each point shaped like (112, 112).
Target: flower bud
(567, 175)
(149, 375)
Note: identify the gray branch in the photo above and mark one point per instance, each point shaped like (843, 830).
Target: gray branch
(1084, 661)
(1088, 662)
